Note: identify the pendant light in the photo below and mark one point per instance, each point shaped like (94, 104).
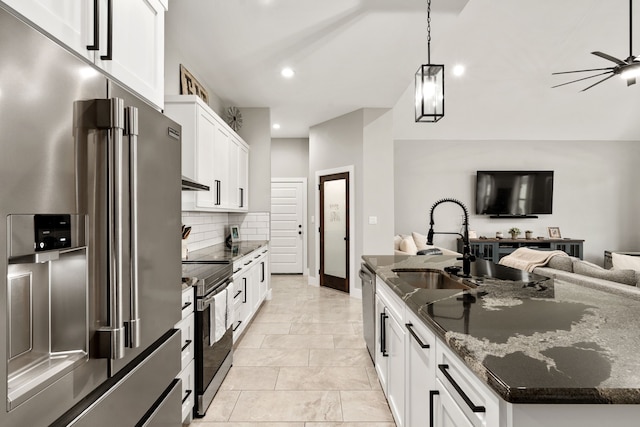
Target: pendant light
(429, 84)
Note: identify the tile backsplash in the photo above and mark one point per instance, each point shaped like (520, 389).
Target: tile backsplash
(253, 225)
(206, 228)
(209, 228)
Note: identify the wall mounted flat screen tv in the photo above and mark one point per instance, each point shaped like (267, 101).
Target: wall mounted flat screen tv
(514, 193)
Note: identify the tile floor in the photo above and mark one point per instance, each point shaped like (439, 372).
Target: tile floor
(302, 362)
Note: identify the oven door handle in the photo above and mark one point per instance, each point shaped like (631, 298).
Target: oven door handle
(203, 303)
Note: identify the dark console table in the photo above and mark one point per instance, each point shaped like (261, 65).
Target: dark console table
(494, 249)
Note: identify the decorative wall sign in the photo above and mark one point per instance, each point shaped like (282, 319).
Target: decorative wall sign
(190, 86)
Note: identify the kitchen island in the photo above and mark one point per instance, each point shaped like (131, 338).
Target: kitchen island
(551, 352)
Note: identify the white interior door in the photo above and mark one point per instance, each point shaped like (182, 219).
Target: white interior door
(287, 226)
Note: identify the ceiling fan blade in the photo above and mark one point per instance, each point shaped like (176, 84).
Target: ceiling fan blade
(597, 83)
(609, 58)
(584, 78)
(631, 81)
(582, 71)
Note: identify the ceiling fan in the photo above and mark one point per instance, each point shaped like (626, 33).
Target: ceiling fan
(628, 68)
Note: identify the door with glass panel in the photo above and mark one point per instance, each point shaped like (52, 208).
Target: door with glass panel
(334, 231)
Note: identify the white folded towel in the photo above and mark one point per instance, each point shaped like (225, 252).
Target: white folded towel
(230, 293)
(528, 259)
(218, 317)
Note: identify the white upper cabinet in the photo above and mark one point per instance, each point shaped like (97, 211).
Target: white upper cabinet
(124, 38)
(212, 154)
(137, 46)
(68, 21)
(243, 176)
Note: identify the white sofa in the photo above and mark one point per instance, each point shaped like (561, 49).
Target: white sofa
(625, 271)
(416, 244)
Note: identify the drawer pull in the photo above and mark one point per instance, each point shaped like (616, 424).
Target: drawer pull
(187, 304)
(186, 344)
(238, 325)
(432, 393)
(474, 408)
(414, 335)
(186, 395)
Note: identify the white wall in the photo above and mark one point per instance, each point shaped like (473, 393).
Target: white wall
(290, 157)
(256, 131)
(175, 55)
(333, 144)
(377, 182)
(595, 188)
(361, 139)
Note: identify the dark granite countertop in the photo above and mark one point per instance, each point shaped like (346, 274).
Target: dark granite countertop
(223, 253)
(531, 342)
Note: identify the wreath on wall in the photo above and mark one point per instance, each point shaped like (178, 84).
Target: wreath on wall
(234, 118)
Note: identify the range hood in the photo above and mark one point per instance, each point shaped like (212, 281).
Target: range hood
(190, 185)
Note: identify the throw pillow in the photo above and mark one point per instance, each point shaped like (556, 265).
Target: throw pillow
(625, 262)
(559, 262)
(408, 245)
(396, 242)
(420, 240)
(627, 277)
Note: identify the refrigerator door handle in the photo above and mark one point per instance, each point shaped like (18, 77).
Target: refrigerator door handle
(110, 116)
(131, 124)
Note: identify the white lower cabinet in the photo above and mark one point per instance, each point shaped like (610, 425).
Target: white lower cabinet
(390, 352)
(445, 412)
(188, 392)
(475, 399)
(187, 334)
(420, 378)
(251, 282)
(425, 383)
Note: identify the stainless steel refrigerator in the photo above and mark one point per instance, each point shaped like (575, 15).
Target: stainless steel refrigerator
(89, 244)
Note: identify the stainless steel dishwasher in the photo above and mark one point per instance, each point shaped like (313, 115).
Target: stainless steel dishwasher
(368, 279)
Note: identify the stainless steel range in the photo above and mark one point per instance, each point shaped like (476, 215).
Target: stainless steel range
(213, 287)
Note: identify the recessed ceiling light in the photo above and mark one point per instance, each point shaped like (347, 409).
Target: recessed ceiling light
(276, 126)
(287, 72)
(458, 70)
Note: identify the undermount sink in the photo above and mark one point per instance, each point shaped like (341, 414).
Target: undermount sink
(428, 279)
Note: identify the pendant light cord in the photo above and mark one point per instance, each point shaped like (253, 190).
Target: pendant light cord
(630, 31)
(429, 31)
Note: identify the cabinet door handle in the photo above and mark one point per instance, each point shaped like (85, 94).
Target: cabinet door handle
(218, 190)
(109, 55)
(241, 197)
(186, 344)
(414, 335)
(238, 325)
(474, 408)
(96, 27)
(244, 279)
(383, 335)
(432, 393)
(237, 293)
(186, 395)
(187, 304)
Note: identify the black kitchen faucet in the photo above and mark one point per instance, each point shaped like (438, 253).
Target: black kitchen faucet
(467, 257)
